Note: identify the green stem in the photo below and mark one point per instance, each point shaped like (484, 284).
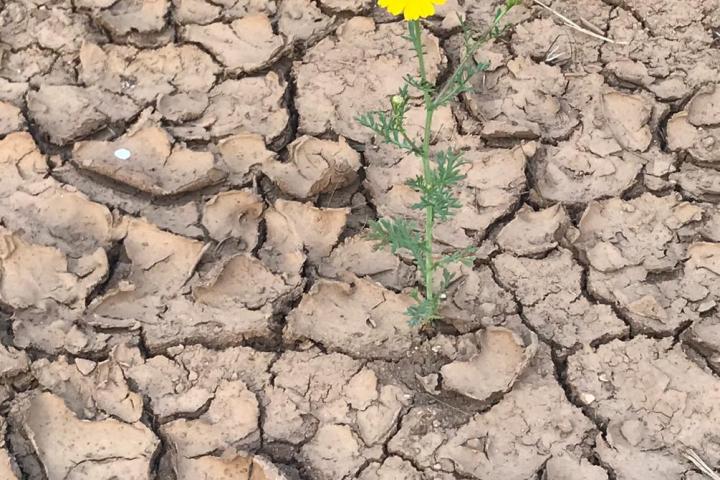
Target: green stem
(416, 36)
(429, 214)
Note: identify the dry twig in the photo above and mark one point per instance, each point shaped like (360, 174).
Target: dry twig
(693, 457)
(577, 27)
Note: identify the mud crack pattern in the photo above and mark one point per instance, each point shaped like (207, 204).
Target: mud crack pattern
(186, 290)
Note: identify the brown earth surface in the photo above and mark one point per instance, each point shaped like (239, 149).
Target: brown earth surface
(187, 291)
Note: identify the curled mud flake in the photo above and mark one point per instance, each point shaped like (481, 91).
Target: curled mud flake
(556, 307)
(70, 447)
(327, 76)
(202, 12)
(704, 108)
(42, 211)
(20, 161)
(671, 88)
(56, 28)
(567, 466)
(34, 66)
(160, 264)
(699, 183)
(182, 107)
(242, 466)
(158, 167)
(337, 314)
(240, 153)
(315, 166)
(298, 231)
(183, 321)
(230, 422)
(181, 217)
(475, 300)
(243, 283)
(33, 274)
(11, 119)
(13, 362)
(533, 233)
(13, 92)
(64, 219)
(395, 468)
(652, 242)
(302, 20)
(704, 336)
(702, 143)
(65, 113)
(246, 45)
(354, 6)
(711, 225)
(249, 105)
(234, 214)
(345, 447)
(571, 176)
(522, 100)
(145, 75)
(8, 468)
(636, 73)
(56, 329)
(359, 256)
(654, 400)
(161, 261)
(93, 393)
(502, 358)
(141, 16)
(627, 117)
(657, 169)
(494, 182)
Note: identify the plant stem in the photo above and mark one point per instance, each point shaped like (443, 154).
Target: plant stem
(416, 36)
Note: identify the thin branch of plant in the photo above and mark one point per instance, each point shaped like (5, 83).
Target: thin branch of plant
(441, 172)
(577, 27)
(695, 459)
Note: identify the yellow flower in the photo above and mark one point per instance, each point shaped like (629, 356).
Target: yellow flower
(412, 9)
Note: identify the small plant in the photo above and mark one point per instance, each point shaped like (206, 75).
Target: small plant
(438, 180)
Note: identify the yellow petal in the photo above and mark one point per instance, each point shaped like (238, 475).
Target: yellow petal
(439, 2)
(395, 7)
(416, 9)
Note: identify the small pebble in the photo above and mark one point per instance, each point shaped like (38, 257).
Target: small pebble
(587, 398)
(84, 366)
(122, 153)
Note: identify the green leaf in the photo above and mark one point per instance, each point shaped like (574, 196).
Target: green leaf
(397, 234)
(423, 312)
(436, 190)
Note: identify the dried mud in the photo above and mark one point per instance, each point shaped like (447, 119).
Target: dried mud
(187, 291)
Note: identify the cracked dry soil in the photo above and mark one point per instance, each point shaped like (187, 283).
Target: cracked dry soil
(187, 293)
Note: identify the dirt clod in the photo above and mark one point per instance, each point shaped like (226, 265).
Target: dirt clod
(362, 330)
(502, 358)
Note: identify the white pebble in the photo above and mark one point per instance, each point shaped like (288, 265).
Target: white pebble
(122, 153)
